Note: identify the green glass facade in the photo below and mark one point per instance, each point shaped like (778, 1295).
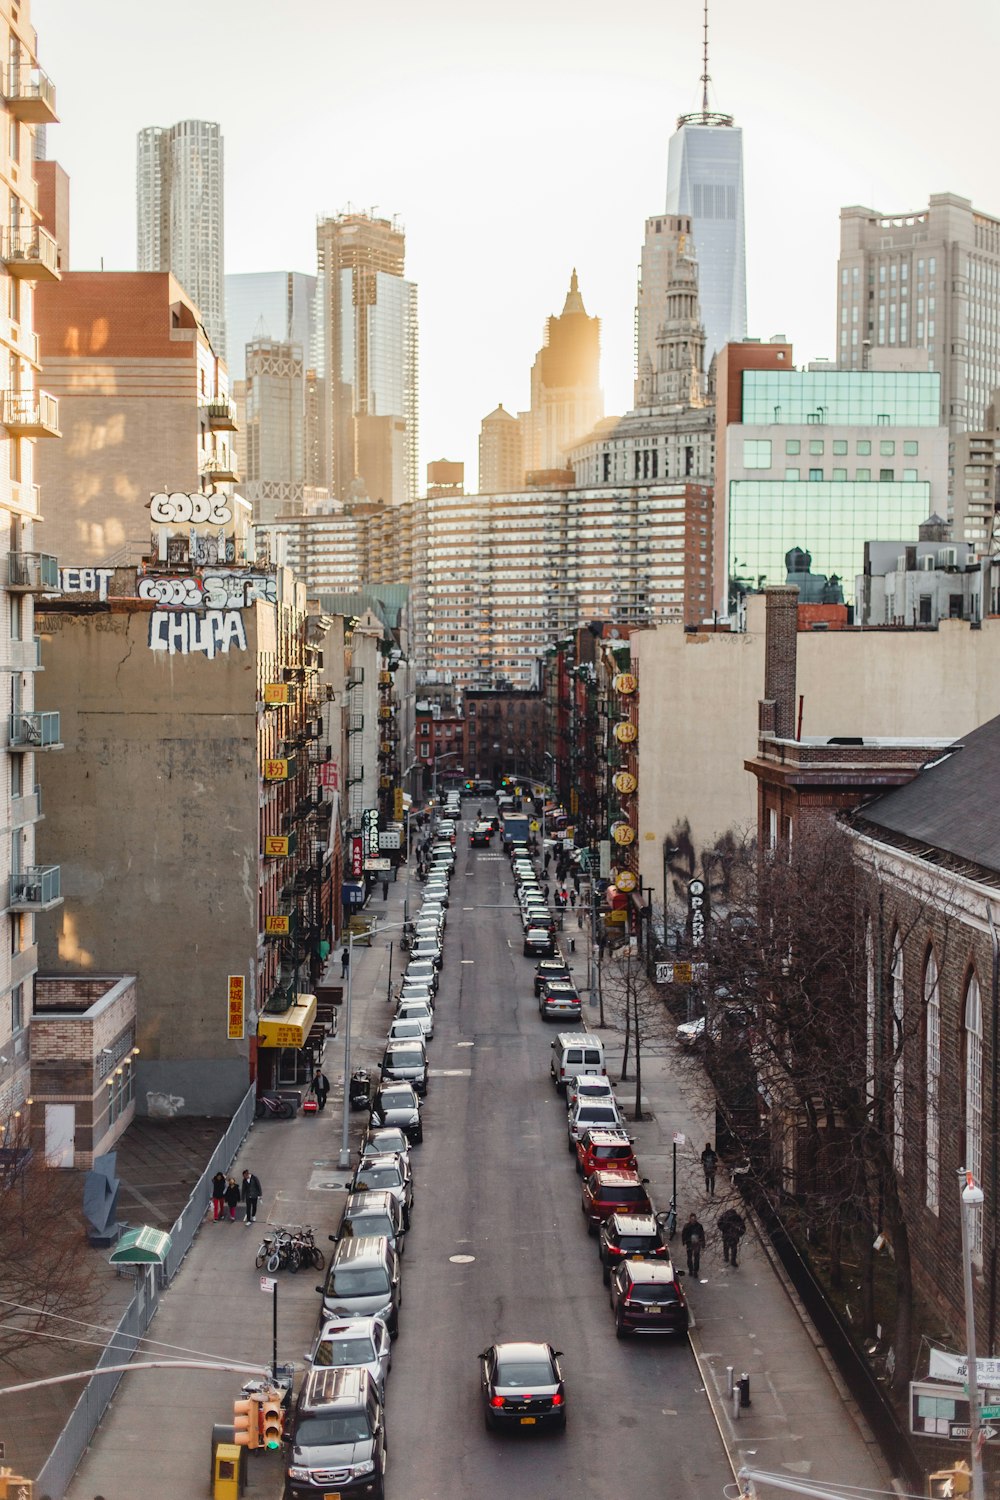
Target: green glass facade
(855, 398)
(832, 521)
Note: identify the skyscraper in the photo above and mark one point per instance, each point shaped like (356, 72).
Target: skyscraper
(566, 396)
(285, 300)
(179, 214)
(705, 181)
(501, 461)
(275, 429)
(369, 339)
(925, 281)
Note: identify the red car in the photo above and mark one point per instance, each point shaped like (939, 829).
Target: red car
(606, 1193)
(607, 1149)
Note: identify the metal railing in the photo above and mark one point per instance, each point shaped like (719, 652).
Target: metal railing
(34, 571)
(97, 1395)
(29, 83)
(30, 245)
(38, 885)
(30, 410)
(38, 731)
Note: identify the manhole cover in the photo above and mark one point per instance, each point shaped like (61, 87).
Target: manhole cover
(461, 1260)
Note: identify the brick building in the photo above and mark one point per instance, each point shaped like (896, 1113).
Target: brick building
(504, 733)
(83, 1066)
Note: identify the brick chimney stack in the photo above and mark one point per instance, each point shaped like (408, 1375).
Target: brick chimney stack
(780, 645)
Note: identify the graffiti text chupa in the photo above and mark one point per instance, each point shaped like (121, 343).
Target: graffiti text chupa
(182, 632)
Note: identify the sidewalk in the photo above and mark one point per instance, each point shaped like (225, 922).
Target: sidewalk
(802, 1420)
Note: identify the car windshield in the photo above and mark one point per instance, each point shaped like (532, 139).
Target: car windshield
(526, 1372)
(635, 1242)
(611, 1153)
(356, 1281)
(662, 1292)
(629, 1193)
(419, 1012)
(596, 1090)
(407, 1028)
(403, 1057)
(378, 1177)
(385, 1102)
(597, 1114)
(323, 1432)
(380, 1225)
(337, 1352)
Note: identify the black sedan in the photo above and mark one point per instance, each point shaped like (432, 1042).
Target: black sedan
(396, 1104)
(522, 1386)
(539, 942)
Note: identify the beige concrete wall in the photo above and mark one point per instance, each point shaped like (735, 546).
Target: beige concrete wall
(698, 700)
(152, 812)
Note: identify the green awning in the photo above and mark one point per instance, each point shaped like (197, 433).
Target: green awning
(141, 1247)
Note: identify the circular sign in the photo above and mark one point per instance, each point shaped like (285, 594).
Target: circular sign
(625, 732)
(625, 782)
(623, 833)
(626, 881)
(624, 682)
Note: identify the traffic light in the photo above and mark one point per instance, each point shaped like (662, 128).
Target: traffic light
(947, 1483)
(13, 1487)
(246, 1421)
(272, 1419)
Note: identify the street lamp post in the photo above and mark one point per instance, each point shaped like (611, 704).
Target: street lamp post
(406, 892)
(345, 1141)
(971, 1195)
(448, 755)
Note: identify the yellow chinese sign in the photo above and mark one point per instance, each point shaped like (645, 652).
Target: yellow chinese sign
(277, 926)
(291, 1029)
(276, 845)
(616, 916)
(277, 692)
(276, 770)
(397, 804)
(237, 993)
(625, 732)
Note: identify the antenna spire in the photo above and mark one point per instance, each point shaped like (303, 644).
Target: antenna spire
(705, 75)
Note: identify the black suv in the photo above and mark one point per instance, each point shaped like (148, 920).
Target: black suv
(550, 968)
(630, 1237)
(338, 1438)
(646, 1297)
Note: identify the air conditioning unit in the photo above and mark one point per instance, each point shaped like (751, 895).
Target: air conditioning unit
(927, 563)
(947, 557)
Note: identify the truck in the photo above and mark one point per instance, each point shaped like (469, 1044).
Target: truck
(514, 827)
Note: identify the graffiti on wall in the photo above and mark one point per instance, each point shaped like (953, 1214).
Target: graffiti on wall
(211, 591)
(182, 632)
(179, 509)
(85, 581)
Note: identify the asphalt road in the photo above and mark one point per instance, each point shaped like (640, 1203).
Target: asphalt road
(495, 1185)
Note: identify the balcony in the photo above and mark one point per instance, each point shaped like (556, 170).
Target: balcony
(30, 253)
(38, 888)
(26, 810)
(220, 469)
(30, 413)
(32, 731)
(30, 94)
(221, 415)
(32, 573)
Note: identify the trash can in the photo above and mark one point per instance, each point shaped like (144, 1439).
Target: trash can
(226, 1464)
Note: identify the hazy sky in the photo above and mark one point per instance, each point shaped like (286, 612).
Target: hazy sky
(515, 141)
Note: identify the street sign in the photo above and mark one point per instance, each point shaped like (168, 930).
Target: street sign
(378, 864)
(268, 1283)
(945, 1366)
(989, 1413)
(680, 1139)
(680, 973)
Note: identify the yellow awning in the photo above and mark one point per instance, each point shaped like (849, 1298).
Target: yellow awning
(289, 1029)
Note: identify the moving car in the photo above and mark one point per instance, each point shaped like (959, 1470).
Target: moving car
(481, 836)
(538, 941)
(338, 1437)
(354, 1344)
(608, 1192)
(610, 1150)
(396, 1104)
(630, 1237)
(559, 999)
(646, 1297)
(522, 1386)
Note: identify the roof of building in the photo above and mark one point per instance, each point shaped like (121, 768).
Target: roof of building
(953, 804)
(388, 600)
(498, 414)
(574, 301)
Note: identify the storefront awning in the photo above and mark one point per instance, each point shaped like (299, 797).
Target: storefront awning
(289, 1029)
(141, 1247)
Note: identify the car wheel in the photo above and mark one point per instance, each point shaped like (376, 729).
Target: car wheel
(561, 1424)
(591, 1227)
(570, 1144)
(488, 1421)
(605, 1274)
(621, 1332)
(579, 1165)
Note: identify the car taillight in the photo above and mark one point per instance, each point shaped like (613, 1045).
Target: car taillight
(557, 1399)
(496, 1401)
(626, 1302)
(615, 1250)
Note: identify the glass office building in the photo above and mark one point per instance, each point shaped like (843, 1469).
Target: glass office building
(705, 181)
(854, 398)
(278, 305)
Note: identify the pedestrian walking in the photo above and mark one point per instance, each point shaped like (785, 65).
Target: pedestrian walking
(345, 962)
(709, 1165)
(548, 860)
(232, 1196)
(732, 1228)
(572, 897)
(320, 1087)
(250, 1193)
(693, 1239)
(218, 1196)
(576, 881)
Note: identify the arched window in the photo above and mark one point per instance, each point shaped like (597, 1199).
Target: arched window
(974, 1098)
(896, 1044)
(869, 1014)
(932, 1065)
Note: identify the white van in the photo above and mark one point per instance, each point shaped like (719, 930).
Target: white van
(573, 1053)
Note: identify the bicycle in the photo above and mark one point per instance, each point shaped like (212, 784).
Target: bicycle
(268, 1104)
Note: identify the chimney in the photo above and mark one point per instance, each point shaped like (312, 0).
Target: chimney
(780, 644)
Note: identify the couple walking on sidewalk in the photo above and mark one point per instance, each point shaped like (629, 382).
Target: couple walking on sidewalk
(228, 1193)
(732, 1228)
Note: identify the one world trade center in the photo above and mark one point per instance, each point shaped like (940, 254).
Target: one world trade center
(705, 182)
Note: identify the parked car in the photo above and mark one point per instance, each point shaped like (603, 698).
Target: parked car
(609, 1192)
(405, 1030)
(363, 1280)
(387, 1174)
(559, 999)
(585, 1114)
(538, 942)
(522, 1386)
(555, 967)
(353, 1344)
(429, 948)
(338, 1428)
(406, 1062)
(417, 1009)
(630, 1237)
(372, 1212)
(383, 1139)
(396, 1104)
(610, 1150)
(421, 971)
(597, 1087)
(646, 1297)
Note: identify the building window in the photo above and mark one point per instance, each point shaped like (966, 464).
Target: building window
(974, 1099)
(17, 1008)
(864, 448)
(757, 453)
(815, 473)
(932, 1003)
(792, 474)
(926, 604)
(887, 447)
(816, 445)
(863, 474)
(840, 473)
(911, 448)
(910, 474)
(898, 1079)
(792, 446)
(839, 446)
(886, 475)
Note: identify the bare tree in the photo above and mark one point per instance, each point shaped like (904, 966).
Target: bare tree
(637, 1009)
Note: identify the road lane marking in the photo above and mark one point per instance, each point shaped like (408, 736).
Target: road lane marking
(449, 1072)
